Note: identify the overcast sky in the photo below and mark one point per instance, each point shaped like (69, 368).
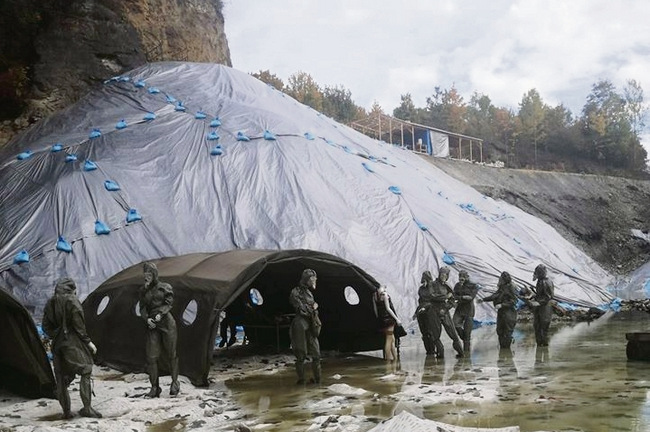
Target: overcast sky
(381, 49)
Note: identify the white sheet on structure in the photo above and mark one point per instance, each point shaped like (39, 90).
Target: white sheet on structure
(439, 144)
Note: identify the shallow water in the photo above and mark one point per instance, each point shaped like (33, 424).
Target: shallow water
(581, 382)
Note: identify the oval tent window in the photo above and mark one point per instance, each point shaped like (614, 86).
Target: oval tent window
(102, 305)
(351, 295)
(189, 314)
(137, 308)
(256, 297)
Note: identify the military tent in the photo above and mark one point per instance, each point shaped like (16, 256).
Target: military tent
(178, 158)
(24, 366)
(204, 284)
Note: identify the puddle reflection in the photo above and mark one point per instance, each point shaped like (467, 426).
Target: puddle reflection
(581, 382)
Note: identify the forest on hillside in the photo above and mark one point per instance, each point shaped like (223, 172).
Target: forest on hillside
(603, 139)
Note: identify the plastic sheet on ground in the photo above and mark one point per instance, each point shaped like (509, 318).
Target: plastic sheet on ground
(406, 421)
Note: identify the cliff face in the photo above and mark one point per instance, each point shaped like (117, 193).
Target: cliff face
(85, 42)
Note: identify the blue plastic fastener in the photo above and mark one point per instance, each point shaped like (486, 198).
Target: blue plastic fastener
(309, 136)
(153, 90)
(140, 83)
(121, 124)
(89, 165)
(396, 190)
(110, 185)
(21, 257)
(101, 228)
(268, 135)
(63, 245)
(95, 133)
(149, 116)
(70, 157)
(216, 122)
(24, 155)
(242, 137)
(200, 115)
(133, 216)
(216, 151)
(56, 148)
(212, 136)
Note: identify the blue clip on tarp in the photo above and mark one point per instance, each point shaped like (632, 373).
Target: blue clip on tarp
(170, 98)
(448, 258)
(216, 122)
(309, 136)
(56, 148)
(133, 216)
(101, 228)
(212, 136)
(367, 167)
(89, 165)
(242, 137)
(395, 189)
(179, 107)
(70, 157)
(110, 185)
(63, 245)
(153, 90)
(95, 133)
(21, 257)
(216, 151)
(421, 225)
(200, 115)
(268, 135)
(140, 83)
(149, 116)
(24, 155)
(121, 124)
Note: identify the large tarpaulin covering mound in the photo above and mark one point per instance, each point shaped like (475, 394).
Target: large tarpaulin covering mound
(205, 158)
(24, 367)
(204, 284)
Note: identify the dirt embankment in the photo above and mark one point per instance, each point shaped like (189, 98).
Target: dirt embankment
(596, 213)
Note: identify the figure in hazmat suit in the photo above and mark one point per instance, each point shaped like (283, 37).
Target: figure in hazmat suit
(305, 327)
(64, 323)
(428, 320)
(542, 306)
(505, 302)
(156, 299)
(442, 301)
(464, 292)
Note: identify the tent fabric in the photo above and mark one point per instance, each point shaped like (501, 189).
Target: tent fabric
(24, 367)
(289, 193)
(206, 283)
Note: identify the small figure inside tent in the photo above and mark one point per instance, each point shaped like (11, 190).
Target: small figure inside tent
(156, 299)
(443, 300)
(64, 323)
(306, 326)
(388, 319)
(464, 293)
(505, 302)
(542, 304)
(234, 316)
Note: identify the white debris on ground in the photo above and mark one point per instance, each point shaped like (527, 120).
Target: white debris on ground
(405, 421)
(120, 398)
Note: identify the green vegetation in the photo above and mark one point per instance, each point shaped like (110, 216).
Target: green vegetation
(604, 138)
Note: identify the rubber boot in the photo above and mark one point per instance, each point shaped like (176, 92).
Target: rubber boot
(64, 400)
(316, 369)
(466, 347)
(440, 349)
(232, 340)
(300, 371)
(459, 349)
(86, 393)
(175, 386)
(153, 379)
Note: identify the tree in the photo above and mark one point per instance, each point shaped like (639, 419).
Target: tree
(531, 115)
(302, 87)
(406, 110)
(269, 78)
(338, 104)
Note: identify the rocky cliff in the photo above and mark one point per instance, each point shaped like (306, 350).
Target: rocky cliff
(607, 217)
(66, 47)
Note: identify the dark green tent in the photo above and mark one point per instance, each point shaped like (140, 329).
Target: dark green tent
(206, 283)
(24, 367)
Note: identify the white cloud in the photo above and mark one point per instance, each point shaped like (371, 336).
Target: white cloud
(381, 49)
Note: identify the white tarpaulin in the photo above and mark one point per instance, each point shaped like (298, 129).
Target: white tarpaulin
(439, 144)
(161, 142)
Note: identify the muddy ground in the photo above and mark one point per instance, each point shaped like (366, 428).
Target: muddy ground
(596, 213)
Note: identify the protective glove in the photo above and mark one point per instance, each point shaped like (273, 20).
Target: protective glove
(93, 348)
(497, 307)
(151, 323)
